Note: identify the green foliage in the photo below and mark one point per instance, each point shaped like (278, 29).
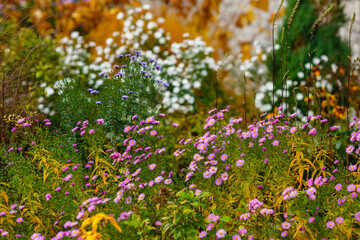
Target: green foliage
(116, 100)
(297, 35)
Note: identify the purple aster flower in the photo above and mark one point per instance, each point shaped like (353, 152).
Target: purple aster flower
(221, 233)
(202, 234)
(286, 225)
(330, 224)
(357, 216)
(339, 220)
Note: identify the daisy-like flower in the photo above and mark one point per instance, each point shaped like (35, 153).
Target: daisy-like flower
(153, 133)
(211, 156)
(311, 220)
(175, 125)
(91, 131)
(19, 220)
(211, 217)
(351, 188)
(167, 181)
(152, 166)
(293, 194)
(350, 149)
(158, 179)
(353, 195)
(357, 216)
(338, 187)
(224, 176)
(242, 231)
(312, 131)
(286, 225)
(275, 143)
(312, 197)
(220, 233)
(352, 168)
(213, 170)
(339, 220)
(74, 233)
(236, 237)
(210, 227)
(48, 196)
(128, 200)
(284, 234)
(311, 191)
(141, 197)
(330, 224)
(218, 181)
(224, 157)
(293, 129)
(240, 162)
(158, 223)
(206, 174)
(202, 234)
(192, 186)
(198, 192)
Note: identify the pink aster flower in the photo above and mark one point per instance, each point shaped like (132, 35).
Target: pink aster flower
(128, 200)
(353, 195)
(211, 217)
(242, 231)
(286, 225)
(275, 143)
(311, 220)
(224, 157)
(153, 133)
(206, 174)
(338, 187)
(100, 121)
(158, 223)
(202, 234)
(352, 168)
(293, 129)
(47, 196)
(218, 181)
(351, 188)
(350, 149)
(167, 181)
(236, 237)
(91, 131)
(158, 179)
(210, 227)
(240, 162)
(198, 192)
(224, 176)
(175, 125)
(312, 131)
(19, 220)
(152, 166)
(141, 197)
(330, 224)
(357, 216)
(211, 156)
(339, 220)
(221, 233)
(284, 234)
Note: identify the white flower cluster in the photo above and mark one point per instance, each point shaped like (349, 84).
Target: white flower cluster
(185, 65)
(263, 98)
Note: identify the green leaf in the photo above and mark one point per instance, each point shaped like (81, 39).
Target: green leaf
(225, 219)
